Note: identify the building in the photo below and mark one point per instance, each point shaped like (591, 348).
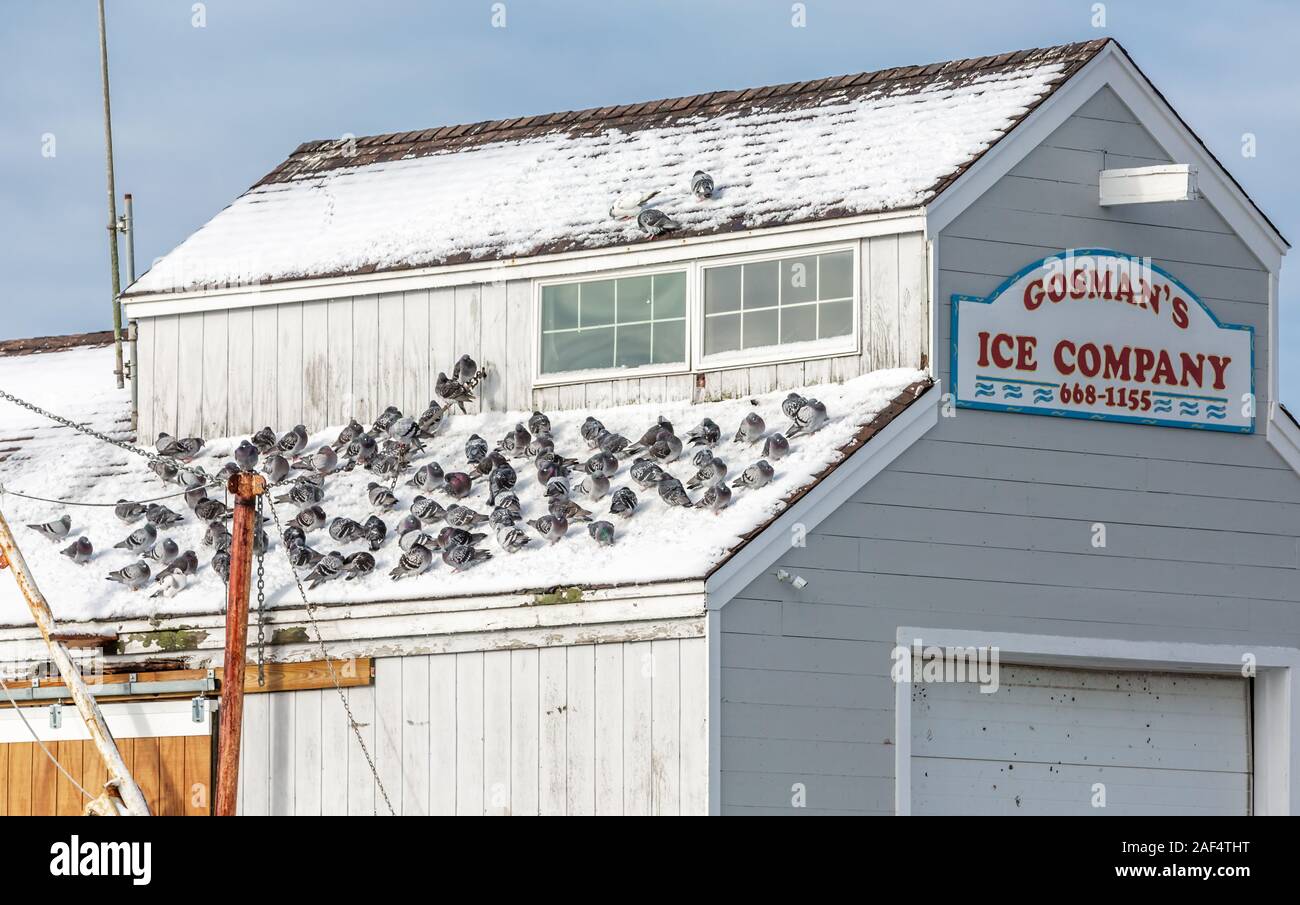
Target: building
(1043, 318)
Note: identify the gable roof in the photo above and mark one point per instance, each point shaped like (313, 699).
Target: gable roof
(848, 145)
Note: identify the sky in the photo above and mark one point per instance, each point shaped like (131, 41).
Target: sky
(209, 97)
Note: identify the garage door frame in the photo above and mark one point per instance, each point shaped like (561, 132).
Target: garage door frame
(1276, 716)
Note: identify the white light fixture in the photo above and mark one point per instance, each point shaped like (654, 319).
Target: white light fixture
(798, 582)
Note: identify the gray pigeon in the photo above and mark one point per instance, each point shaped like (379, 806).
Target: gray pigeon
(79, 550)
(538, 423)
(159, 515)
(702, 185)
(276, 468)
(463, 556)
(310, 519)
(430, 420)
(673, 493)
(463, 517)
(755, 476)
(303, 493)
(404, 430)
(128, 511)
(515, 443)
(228, 471)
(264, 440)
(512, 538)
(345, 530)
(380, 496)
(294, 442)
(187, 448)
(651, 435)
(501, 517)
(623, 502)
(451, 537)
(349, 433)
(591, 430)
(503, 478)
(453, 391)
(457, 484)
(509, 502)
(139, 541)
(602, 533)
(166, 444)
(246, 455)
(602, 463)
(165, 469)
(387, 418)
(322, 461)
(629, 204)
(427, 510)
(221, 565)
(706, 433)
(408, 523)
(415, 539)
(709, 474)
(416, 560)
(557, 488)
(164, 551)
(808, 420)
(134, 576)
(751, 429)
(427, 477)
(192, 477)
(702, 457)
(329, 568)
(776, 447)
(646, 473)
(358, 564)
(302, 556)
(383, 464)
(668, 448)
(195, 495)
(569, 510)
(715, 499)
(210, 510)
(187, 563)
(55, 530)
(465, 370)
(550, 527)
(593, 486)
(791, 404)
(475, 449)
(216, 531)
(654, 222)
(363, 449)
(374, 530)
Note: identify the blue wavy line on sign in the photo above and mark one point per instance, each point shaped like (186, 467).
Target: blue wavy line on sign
(983, 389)
(1217, 416)
(1189, 408)
(1043, 395)
(1011, 391)
(1164, 405)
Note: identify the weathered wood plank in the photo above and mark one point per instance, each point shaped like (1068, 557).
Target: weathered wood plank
(390, 727)
(524, 713)
(553, 751)
(239, 371)
(609, 728)
(417, 386)
(189, 392)
(266, 340)
(340, 397)
(638, 761)
(665, 729)
(883, 302)
(442, 734)
(166, 373)
(496, 733)
(289, 384)
(315, 364)
(469, 734)
(520, 341)
(415, 736)
(494, 346)
(309, 768)
(367, 362)
(467, 337)
(580, 729)
(390, 386)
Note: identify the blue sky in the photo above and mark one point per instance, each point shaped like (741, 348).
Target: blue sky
(202, 113)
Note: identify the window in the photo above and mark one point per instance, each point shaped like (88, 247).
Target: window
(759, 304)
(626, 322)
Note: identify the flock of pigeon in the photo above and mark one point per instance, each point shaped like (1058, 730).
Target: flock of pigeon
(652, 221)
(394, 444)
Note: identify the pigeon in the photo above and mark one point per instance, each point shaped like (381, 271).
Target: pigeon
(139, 541)
(623, 502)
(791, 404)
(164, 552)
(463, 556)
(187, 564)
(646, 473)
(453, 391)
(414, 561)
(465, 370)
(303, 493)
(380, 496)
(502, 517)
(210, 510)
(538, 423)
(427, 477)
(79, 550)
(569, 511)
(349, 433)
(503, 478)
(192, 477)
(310, 519)
(485, 465)
(293, 442)
(602, 533)
(276, 468)
(512, 538)
(541, 443)
(715, 499)
(134, 576)
(509, 502)
(55, 530)
(358, 564)
(426, 509)
(707, 475)
(557, 488)
(450, 537)
(228, 471)
(593, 486)
(612, 443)
(383, 464)
(673, 493)
(755, 476)
(165, 469)
(602, 463)
(166, 444)
(591, 430)
(195, 495)
(187, 448)
(629, 204)
(293, 535)
(463, 517)
(302, 556)
(221, 565)
(345, 530)
(404, 430)
(550, 527)
(702, 457)
(751, 429)
(322, 461)
(222, 544)
(408, 523)
(264, 440)
(706, 433)
(651, 435)
(374, 531)
(363, 449)
(668, 448)
(776, 447)
(246, 455)
(702, 185)
(475, 449)
(171, 584)
(387, 418)
(415, 539)
(329, 568)
(457, 484)
(550, 466)
(515, 443)
(430, 420)
(128, 511)
(808, 420)
(654, 222)
(217, 530)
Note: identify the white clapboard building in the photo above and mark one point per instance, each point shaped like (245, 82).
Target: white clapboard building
(1041, 558)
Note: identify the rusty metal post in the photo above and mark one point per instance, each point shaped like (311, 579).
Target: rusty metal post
(245, 487)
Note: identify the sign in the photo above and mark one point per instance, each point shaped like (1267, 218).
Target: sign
(1096, 334)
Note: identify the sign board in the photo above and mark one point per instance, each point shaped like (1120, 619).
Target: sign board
(1095, 334)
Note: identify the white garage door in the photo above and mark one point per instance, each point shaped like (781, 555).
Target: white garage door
(1158, 743)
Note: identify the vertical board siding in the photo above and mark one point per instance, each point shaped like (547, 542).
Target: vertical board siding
(266, 367)
(289, 385)
(189, 392)
(608, 729)
(216, 367)
(239, 385)
(417, 385)
(373, 357)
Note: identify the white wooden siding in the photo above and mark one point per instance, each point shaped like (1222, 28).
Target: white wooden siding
(617, 728)
(321, 362)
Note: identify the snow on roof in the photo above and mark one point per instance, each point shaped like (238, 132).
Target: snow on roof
(832, 147)
(658, 543)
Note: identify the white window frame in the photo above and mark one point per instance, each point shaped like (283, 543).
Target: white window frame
(565, 378)
(849, 344)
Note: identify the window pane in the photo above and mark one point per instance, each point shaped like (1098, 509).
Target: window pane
(670, 296)
(721, 334)
(597, 303)
(633, 299)
(721, 289)
(760, 285)
(798, 324)
(798, 280)
(633, 346)
(837, 275)
(670, 342)
(578, 350)
(559, 306)
(760, 328)
(837, 319)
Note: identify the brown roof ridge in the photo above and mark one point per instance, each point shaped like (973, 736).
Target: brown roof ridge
(35, 344)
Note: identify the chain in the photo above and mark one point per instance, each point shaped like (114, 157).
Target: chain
(334, 678)
(261, 599)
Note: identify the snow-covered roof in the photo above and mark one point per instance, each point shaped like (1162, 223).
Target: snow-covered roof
(659, 543)
(833, 147)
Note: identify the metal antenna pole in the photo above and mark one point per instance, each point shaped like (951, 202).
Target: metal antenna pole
(118, 370)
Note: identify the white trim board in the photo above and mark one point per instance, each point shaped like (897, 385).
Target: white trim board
(1284, 436)
(131, 719)
(1276, 715)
